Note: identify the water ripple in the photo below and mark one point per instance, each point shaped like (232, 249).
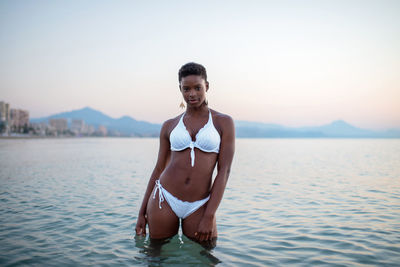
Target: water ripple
(288, 202)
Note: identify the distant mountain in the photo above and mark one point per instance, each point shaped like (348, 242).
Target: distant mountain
(336, 129)
(125, 125)
(340, 128)
(261, 130)
(247, 129)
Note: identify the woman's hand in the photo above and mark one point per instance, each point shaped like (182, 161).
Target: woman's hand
(205, 229)
(141, 225)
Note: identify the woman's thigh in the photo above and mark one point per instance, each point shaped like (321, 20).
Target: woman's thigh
(163, 223)
(191, 223)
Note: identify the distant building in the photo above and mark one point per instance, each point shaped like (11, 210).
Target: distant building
(19, 119)
(102, 130)
(113, 133)
(60, 125)
(40, 128)
(4, 111)
(89, 130)
(4, 117)
(78, 127)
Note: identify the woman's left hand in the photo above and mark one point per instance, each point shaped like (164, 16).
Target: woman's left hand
(205, 229)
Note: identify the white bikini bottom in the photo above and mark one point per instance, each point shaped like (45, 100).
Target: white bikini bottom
(181, 208)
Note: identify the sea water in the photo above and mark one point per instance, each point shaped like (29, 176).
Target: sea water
(301, 202)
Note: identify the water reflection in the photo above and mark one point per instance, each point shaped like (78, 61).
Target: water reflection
(174, 251)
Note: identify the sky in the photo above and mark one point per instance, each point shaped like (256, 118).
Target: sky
(295, 63)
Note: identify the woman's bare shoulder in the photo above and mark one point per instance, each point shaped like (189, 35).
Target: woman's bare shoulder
(169, 124)
(223, 120)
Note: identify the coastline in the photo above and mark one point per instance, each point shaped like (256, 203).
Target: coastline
(62, 137)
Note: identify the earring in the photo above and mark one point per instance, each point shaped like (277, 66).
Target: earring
(182, 105)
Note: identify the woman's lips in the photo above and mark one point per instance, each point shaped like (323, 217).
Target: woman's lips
(193, 100)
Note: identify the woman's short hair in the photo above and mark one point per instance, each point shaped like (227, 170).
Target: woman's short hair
(192, 68)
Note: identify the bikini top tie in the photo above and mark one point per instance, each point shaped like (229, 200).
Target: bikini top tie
(207, 138)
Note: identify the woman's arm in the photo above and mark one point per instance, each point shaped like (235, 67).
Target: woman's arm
(164, 154)
(225, 157)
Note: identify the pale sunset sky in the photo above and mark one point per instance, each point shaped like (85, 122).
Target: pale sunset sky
(295, 63)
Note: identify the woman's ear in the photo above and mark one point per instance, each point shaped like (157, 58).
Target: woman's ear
(207, 86)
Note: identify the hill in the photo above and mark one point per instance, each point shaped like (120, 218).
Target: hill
(246, 129)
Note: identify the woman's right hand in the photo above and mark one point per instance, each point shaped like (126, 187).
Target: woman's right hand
(141, 225)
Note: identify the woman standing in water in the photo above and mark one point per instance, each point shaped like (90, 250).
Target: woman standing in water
(191, 145)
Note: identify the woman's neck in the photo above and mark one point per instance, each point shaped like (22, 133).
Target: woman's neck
(197, 111)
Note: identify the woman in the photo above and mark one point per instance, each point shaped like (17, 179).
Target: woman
(191, 145)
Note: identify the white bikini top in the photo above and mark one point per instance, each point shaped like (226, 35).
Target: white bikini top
(207, 138)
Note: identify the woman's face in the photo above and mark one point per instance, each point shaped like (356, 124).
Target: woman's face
(194, 88)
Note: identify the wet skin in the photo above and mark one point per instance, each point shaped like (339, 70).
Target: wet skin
(185, 182)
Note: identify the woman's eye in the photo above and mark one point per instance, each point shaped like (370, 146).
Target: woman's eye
(198, 88)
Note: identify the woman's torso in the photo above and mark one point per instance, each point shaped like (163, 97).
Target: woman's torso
(180, 178)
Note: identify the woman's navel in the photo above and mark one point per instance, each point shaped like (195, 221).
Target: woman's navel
(187, 180)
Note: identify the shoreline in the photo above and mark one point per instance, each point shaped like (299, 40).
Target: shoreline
(139, 137)
(65, 137)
